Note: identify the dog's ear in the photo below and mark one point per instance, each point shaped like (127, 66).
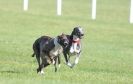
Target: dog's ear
(74, 28)
(59, 38)
(62, 34)
(74, 31)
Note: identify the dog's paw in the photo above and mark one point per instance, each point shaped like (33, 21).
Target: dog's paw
(41, 72)
(53, 61)
(69, 64)
(72, 65)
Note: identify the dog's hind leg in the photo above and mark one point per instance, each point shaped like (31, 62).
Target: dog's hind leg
(44, 65)
(39, 64)
(38, 61)
(44, 62)
(40, 68)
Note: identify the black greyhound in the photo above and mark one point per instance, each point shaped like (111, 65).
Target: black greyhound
(78, 33)
(48, 50)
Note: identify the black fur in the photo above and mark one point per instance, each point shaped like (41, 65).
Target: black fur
(66, 51)
(42, 47)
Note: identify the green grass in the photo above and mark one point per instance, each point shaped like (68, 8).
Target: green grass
(107, 56)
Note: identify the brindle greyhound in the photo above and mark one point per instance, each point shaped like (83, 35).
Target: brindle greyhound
(76, 50)
(48, 49)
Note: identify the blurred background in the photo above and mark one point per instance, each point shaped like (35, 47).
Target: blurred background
(106, 58)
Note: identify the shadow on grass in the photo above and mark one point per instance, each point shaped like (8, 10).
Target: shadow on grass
(11, 72)
(110, 71)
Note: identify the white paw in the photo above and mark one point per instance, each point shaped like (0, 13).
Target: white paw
(41, 72)
(53, 62)
(72, 65)
(76, 61)
(69, 64)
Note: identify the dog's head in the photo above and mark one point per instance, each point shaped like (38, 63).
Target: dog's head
(63, 40)
(78, 31)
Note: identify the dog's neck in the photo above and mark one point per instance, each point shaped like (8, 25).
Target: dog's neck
(57, 48)
(56, 42)
(74, 39)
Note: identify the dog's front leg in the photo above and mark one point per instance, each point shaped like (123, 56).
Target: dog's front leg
(67, 59)
(76, 60)
(68, 63)
(59, 61)
(55, 63)
(65, 56)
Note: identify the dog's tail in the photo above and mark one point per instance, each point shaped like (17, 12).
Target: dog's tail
(33, 54)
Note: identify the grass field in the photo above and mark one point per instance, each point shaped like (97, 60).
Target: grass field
(107, 56)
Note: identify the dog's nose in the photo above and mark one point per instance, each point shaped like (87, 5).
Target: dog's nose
(65, 43)
(82, 34)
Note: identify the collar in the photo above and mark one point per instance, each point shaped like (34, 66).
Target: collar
(75, 39)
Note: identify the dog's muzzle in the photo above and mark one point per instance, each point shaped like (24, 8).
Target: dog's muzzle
(66, 44)
(81, 36)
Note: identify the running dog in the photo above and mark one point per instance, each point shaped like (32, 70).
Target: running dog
(74, 47)
(47, 50)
